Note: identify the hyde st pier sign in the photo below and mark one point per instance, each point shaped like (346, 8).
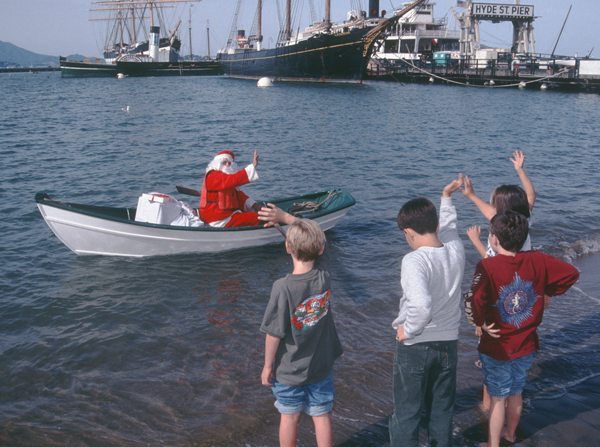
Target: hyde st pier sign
(493, 10)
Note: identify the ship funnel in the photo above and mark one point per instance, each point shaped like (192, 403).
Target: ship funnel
(154, 42)
(373, 8)
(240, 39)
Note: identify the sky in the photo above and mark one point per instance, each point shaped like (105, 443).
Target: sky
(62, 27)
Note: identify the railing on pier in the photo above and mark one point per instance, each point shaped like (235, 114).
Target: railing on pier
(505, 66)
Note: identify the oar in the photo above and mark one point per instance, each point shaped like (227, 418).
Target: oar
(193, 192)
(188, 191)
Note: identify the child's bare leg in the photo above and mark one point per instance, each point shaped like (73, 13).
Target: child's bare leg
(513, 414)
(485, 403)
(287, 429)
(323, 430)
(497, 416)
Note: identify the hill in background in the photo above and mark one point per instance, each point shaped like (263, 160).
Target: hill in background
(12, 55)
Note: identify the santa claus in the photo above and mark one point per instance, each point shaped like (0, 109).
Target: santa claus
(222, 204)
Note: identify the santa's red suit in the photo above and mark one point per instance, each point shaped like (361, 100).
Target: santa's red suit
(221, 203)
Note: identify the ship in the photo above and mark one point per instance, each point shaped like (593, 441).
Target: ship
(417, 36)
(125, 54)
(323, 52)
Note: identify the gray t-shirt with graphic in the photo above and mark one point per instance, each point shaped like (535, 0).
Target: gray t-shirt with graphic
(299, 313)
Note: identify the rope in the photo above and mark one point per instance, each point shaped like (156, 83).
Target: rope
(560, 72)
(310, 206)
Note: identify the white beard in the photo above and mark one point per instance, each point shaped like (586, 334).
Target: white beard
(231, 169)
(217, 165)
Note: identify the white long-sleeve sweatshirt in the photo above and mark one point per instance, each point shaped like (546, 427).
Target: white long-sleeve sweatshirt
(430, 277)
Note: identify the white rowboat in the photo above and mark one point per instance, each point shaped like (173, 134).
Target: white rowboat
(98, 230)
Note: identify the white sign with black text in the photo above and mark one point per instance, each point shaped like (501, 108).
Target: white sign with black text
(501, 11)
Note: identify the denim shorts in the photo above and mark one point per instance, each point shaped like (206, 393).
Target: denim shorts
(505, 378)
(315, 399)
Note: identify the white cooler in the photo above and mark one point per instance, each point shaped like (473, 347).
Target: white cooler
(157, 209)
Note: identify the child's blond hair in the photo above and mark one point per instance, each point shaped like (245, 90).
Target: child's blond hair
(305, 240)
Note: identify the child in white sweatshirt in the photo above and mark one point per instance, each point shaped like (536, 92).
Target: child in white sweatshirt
(428, 321)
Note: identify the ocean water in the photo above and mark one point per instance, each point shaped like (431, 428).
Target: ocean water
(104, 351)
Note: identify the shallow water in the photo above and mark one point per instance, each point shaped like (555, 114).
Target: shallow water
(167, 350)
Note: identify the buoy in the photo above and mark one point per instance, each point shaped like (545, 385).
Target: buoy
(431, 79)
(544, 87)
(522, 84)
(492, 82)
(265, 82)
(120, 76)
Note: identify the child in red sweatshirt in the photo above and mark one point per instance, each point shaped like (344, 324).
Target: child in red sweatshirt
(507, 300)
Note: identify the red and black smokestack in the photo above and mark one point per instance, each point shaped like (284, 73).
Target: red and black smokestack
(373, 8)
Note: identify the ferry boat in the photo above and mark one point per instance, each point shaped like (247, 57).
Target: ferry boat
(323, 52)
(418, 35)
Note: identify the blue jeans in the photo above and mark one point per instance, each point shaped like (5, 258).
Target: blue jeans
(316, 399)
(424, 378)
(505, 378)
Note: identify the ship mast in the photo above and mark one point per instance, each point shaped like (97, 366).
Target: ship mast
(208, 38)
(190, 32)
(288, 20)
(259, 25)
(328, 14)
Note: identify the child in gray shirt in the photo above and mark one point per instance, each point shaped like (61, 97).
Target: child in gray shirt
(301, 342)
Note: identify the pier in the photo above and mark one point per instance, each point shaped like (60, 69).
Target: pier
(566, 74)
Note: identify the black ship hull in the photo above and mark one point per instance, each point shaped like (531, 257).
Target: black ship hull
(340, 57)
(181, 68)
(71, 69)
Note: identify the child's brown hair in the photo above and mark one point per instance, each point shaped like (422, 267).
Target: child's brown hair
(510, 197)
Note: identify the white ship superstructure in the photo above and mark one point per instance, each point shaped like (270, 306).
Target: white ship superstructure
(418, 35)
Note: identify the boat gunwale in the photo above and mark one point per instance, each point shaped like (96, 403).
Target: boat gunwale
(41, 197)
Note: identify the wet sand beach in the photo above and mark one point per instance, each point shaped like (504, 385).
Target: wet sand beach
(572, 420)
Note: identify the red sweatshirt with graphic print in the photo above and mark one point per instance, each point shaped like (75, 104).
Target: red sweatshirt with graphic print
(509, 292)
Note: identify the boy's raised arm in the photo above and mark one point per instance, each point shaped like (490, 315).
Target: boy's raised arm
(519, 161)
(486, 209)
(272, 215)
(448, 219)
(453, 186)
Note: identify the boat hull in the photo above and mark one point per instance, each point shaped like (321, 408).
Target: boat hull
(72, 69)
(90, 230)
(324, 58)
(181, 68)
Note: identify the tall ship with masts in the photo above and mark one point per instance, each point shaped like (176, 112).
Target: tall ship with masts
(139, 42)
(323, 52)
